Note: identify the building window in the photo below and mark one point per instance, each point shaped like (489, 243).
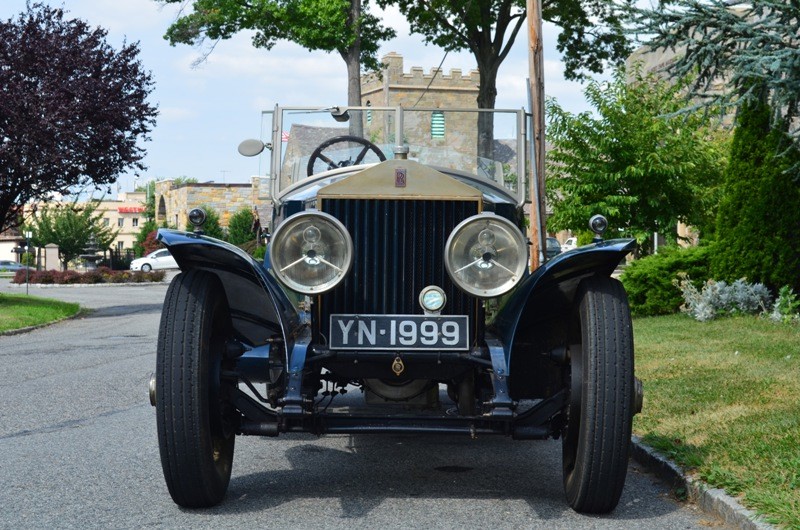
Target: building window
(105, 221)
(437, 124)
(119, 245)
(121, 222)
(135, 222)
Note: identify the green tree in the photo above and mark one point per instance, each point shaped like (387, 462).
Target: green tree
(183, 179)
(70, 226)
(145, 230)
(211, 228)
(591, 36)
(342, 26)
(240, 227)
(758, 226)
(149, 191)
(751, 45)
(627, 161)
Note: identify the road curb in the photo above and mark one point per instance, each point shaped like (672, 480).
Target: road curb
(710, 500)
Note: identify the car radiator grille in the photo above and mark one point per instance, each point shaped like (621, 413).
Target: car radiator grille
(398, 249)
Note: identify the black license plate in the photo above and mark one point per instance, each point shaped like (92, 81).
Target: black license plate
(399, 332)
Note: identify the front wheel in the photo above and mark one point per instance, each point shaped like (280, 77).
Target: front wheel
(596, 443)
(196, 423)
(146, 267)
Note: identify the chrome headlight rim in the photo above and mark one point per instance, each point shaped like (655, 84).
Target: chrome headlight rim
(285, 228)
(518, 239)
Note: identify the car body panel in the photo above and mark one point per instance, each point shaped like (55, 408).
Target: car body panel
(259, 307)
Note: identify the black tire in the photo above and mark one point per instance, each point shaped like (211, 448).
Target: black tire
(596, 444)
(146, 267)
(196, 433)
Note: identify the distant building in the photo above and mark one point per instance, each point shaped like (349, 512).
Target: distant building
(126, 214)
(9, 240)
(393, 87)
(173, 201)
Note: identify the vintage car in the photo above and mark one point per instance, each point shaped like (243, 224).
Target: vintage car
(398, 270)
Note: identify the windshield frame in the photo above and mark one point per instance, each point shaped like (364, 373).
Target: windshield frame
(278, 149)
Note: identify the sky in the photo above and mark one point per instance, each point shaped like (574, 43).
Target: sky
(206, 110)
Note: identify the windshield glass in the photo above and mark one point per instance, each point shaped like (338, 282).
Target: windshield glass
(311, 141)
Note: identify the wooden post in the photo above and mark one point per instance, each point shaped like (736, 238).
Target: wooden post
(536, 68)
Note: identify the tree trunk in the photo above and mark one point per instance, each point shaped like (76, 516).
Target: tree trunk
(352, 57)
(487, 96)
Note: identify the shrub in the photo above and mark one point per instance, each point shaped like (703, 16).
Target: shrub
(721, 299)
(46, 277)
(240, 227)
(259, 252)
(99, 275)
(68, 277)
(649, 280)
(95, 276)
(787, 306)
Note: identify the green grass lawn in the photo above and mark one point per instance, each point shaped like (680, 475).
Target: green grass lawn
(722, 399)
(19, 311)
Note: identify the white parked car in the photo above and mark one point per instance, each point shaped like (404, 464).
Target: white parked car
(570, 244)
(159, 259)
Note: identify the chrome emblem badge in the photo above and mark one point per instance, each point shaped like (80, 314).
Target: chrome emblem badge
(399, 177)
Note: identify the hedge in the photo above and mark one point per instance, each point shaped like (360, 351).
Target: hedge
(649, 280)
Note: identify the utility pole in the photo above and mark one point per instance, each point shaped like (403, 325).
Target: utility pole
(536, 75)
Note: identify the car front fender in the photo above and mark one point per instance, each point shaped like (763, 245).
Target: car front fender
(258, 306)
(534, 321)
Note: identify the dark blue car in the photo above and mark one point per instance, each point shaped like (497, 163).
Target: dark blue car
(398, 269)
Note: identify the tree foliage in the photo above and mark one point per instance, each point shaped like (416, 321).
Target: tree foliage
(591, 30)
(642, 170)
(240, 227)
(343, 26)
(750, 46)
(72, 109)
(592, 35)
(149, 189)
(70, 226)
(758, 225)
(140, 247)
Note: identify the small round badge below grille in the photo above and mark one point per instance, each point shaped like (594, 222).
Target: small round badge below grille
(432, 298)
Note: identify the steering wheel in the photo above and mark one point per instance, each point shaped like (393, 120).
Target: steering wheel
(346, 139)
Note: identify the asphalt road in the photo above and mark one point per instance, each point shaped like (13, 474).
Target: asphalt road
(78, 448)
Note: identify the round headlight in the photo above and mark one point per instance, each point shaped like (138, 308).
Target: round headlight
(311, 252)
(486, 255)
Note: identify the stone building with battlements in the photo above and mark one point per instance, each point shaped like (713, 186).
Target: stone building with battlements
(173, 202)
